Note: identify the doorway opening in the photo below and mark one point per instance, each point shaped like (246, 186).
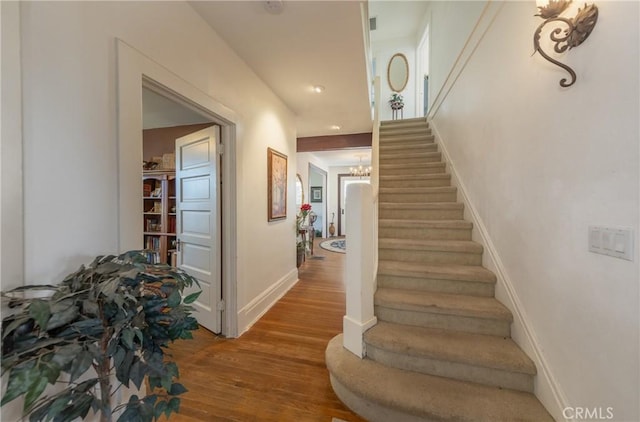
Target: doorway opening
(318, 199)
(423, 70)
(182, 221)
(137, 77)
(345, 180)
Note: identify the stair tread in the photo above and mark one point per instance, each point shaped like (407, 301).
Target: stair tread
(415, 176)
(422, 205)
(412, 165)
(410, 154)
(428, 396)
(420, 189)
(422, 130)
(436, 224)
(447, 272)
(465, 246)
(413, 120)
(442, 303)
(454, 346)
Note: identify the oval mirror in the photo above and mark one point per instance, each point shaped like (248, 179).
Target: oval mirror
(299, 192)
(398, 72)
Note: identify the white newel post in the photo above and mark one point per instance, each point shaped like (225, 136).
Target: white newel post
(359, 268)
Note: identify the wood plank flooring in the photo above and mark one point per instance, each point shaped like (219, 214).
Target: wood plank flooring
(275, 371)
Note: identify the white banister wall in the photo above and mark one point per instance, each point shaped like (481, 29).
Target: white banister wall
(362, 252)
(359, 267)
(375, 173)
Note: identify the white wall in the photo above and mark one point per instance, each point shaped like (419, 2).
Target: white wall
(317, 179)
(70, 145)
(383, 51)
(539, 164)
(11, 210)
(451, 23)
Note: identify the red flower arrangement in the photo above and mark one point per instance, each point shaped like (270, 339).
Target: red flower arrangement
(305, 208)
(304, 211)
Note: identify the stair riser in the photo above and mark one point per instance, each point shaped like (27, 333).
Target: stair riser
(407, 127)
(430, 257)
(423, 233)
(407, 142)
(410, 159)
(492, 327)
(417, 197)
(408, 149)
(401, 214)
(370, 410)
(406, 170)
(415, 183)
(404, 140)
(456, 370)
(436, 285)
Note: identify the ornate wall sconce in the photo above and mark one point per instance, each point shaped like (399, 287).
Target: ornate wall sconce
(571, 33)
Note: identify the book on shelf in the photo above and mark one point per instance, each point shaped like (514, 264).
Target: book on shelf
(153, 243)
(153, 257)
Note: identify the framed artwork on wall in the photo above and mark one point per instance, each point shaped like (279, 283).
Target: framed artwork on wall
(277, 185)
(316, 193)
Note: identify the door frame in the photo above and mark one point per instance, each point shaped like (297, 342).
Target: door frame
(134, 70)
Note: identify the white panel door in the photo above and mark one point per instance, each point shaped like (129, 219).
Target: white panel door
(198, 231)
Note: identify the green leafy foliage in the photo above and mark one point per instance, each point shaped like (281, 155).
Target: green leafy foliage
(112, 318)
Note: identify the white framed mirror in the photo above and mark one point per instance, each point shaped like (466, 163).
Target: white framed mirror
(398, 72)
(299, 192)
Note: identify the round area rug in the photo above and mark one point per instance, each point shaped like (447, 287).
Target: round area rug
(335, 245)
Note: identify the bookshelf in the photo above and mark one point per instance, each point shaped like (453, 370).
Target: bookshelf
(159, 215)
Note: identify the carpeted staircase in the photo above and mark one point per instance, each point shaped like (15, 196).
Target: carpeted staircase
(441, 350)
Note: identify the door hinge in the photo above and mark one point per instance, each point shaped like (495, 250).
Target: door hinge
(220, 149)
(220, 305)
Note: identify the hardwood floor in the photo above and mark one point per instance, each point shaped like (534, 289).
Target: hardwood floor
(275, 371)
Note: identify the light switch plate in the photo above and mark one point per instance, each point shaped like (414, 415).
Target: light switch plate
(616, 242)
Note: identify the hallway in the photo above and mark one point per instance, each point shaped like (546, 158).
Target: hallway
(276, 371)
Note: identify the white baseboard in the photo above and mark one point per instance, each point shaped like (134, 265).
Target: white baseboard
(547, 388)
(253, 311)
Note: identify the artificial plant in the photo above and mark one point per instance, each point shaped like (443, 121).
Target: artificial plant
(396, 101)
(105, 325)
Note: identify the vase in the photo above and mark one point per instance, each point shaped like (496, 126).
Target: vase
(332, 230)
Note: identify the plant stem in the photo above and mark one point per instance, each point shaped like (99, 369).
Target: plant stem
(104, 371)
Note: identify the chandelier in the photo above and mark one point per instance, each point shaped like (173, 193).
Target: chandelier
(360, 171)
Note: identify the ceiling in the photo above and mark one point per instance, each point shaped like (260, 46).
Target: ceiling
(299, 46)
(293, 45)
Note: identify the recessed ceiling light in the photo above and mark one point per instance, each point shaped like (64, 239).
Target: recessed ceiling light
(335, 127)
(318, 89)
